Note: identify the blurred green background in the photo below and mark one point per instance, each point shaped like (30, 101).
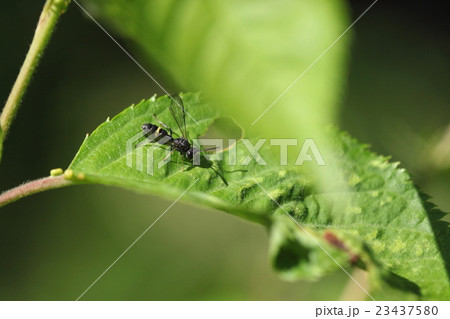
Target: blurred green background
(55, 244)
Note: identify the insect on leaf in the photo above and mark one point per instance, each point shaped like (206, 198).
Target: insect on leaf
(375, 218)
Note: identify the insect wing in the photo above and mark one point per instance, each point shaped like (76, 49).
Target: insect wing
(179, 114)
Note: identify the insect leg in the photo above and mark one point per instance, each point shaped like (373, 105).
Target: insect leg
(182, 164)
(168, 155)
(143, 143)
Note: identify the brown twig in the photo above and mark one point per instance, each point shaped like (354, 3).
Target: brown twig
(33, 187)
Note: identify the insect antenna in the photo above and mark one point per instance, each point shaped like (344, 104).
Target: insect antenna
(210, 148)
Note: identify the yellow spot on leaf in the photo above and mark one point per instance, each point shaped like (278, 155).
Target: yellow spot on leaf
(378, 246)
(354, 210)
(375, 193)
(275, 193)
(372, 235)
(379, 163)
(386, 201)
(354, 179)
(397, 245)
(259, 180)
(418, 251)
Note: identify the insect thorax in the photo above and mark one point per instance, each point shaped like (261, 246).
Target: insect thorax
(181, 144)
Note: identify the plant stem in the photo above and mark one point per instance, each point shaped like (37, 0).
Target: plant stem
(33, 187)
(50, 14)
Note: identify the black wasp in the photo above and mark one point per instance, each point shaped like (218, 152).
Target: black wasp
(164, 137)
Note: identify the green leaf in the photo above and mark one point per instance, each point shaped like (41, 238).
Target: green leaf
(383, 209)
(375, 219)
(244, 54)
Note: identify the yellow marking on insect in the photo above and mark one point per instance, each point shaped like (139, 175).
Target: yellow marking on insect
(68, 173)
(56, 172)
